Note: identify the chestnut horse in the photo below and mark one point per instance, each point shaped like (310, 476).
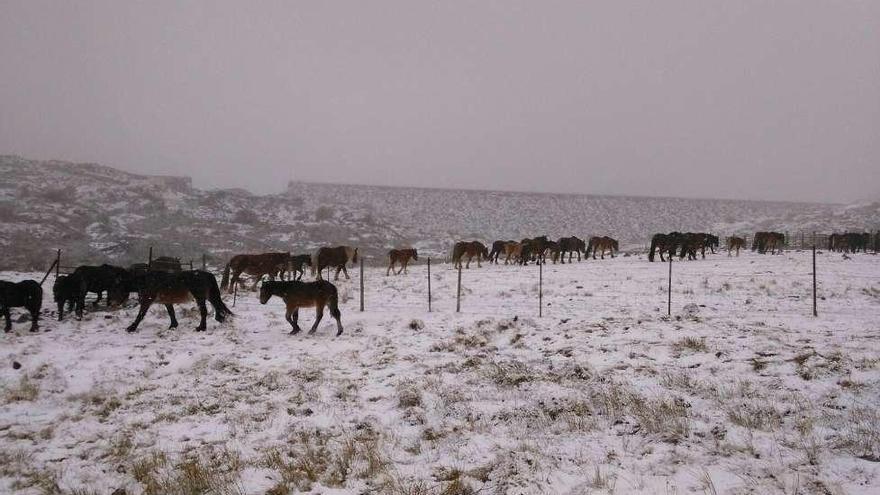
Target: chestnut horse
(336, 257)
(469, 249)
(401, 256)
(734, 242)
(297, 295)
(601, 244)
(256, 265)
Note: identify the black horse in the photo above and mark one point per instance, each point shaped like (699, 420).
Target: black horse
(665, 243)
(104, 278)
(70, 290)
(175, 288)
(571, 245)
(26, 294)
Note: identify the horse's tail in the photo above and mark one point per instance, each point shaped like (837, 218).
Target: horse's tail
(224, 283)
(653, 249)
(221, 311)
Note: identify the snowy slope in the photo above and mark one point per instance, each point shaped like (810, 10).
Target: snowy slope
(741, 391)
(96, 213)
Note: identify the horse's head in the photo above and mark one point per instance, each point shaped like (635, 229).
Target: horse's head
(415, 255)
(353, 255)
(265, 292)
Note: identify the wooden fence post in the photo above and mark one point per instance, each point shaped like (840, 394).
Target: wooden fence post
(540, 290)
(55, 265)
(429, 285)
(815, 311)
(150, 259)
(458, 292)
(204, 262)
(234, 294)
(361, 260)
(669, 290)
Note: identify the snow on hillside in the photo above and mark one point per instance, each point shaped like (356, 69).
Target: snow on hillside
(96, 213)
(741, 391)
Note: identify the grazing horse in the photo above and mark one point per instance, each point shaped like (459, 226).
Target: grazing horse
(469, 249)
(497, 250)
(336, 257)
(296, 264)
(401, 256)
(601, 244)
(103, 278)
(512, 252)
(536, 248)
(297, 295)
(768, 240)
(70, 290)
(734, 242)
(26, 294)
(176, 288)
(256, 265)
(571, 245)
(665, 243)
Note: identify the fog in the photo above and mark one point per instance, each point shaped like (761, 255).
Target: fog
(745, 99)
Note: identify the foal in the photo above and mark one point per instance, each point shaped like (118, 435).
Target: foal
(297, 295)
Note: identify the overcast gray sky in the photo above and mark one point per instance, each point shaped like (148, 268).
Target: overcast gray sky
(736, 99)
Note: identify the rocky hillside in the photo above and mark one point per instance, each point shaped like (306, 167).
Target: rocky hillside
(97, 213)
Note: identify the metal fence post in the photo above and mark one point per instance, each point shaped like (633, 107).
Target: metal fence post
(815, 310)
(361, 260)
(669, 290)
(429, 285)
(458, 292)
(150, 259)
(540, 290)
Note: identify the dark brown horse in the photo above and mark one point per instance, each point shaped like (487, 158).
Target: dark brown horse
(334, 257)
(296, 264)
(26, 294)
(570, 246)
(401, 256)
(734, 242)
(176, 288)
(297, 295)
(664, 243)
(602, 244)
(256, 265)
(469, 249)
(497, 250)
(772, 241)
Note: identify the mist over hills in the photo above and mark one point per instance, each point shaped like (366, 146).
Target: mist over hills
(97, 213)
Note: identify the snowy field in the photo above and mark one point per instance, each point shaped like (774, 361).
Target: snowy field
(740, 391)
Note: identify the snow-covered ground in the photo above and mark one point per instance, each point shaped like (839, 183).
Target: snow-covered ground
(740, 391)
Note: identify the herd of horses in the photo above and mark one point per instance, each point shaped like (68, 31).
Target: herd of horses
(163, 280)
(535, 249)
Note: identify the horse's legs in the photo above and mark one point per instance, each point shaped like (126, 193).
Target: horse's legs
(319, 313)
(293, 322)
(236, 272)
(334, 312)
(145, 305)
(203, 311)
(171, 315)
(8, 319)
(96, 301)
(35, 317)
(390, 266)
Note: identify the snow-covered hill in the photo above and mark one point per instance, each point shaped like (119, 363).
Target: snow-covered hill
(98, 213)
